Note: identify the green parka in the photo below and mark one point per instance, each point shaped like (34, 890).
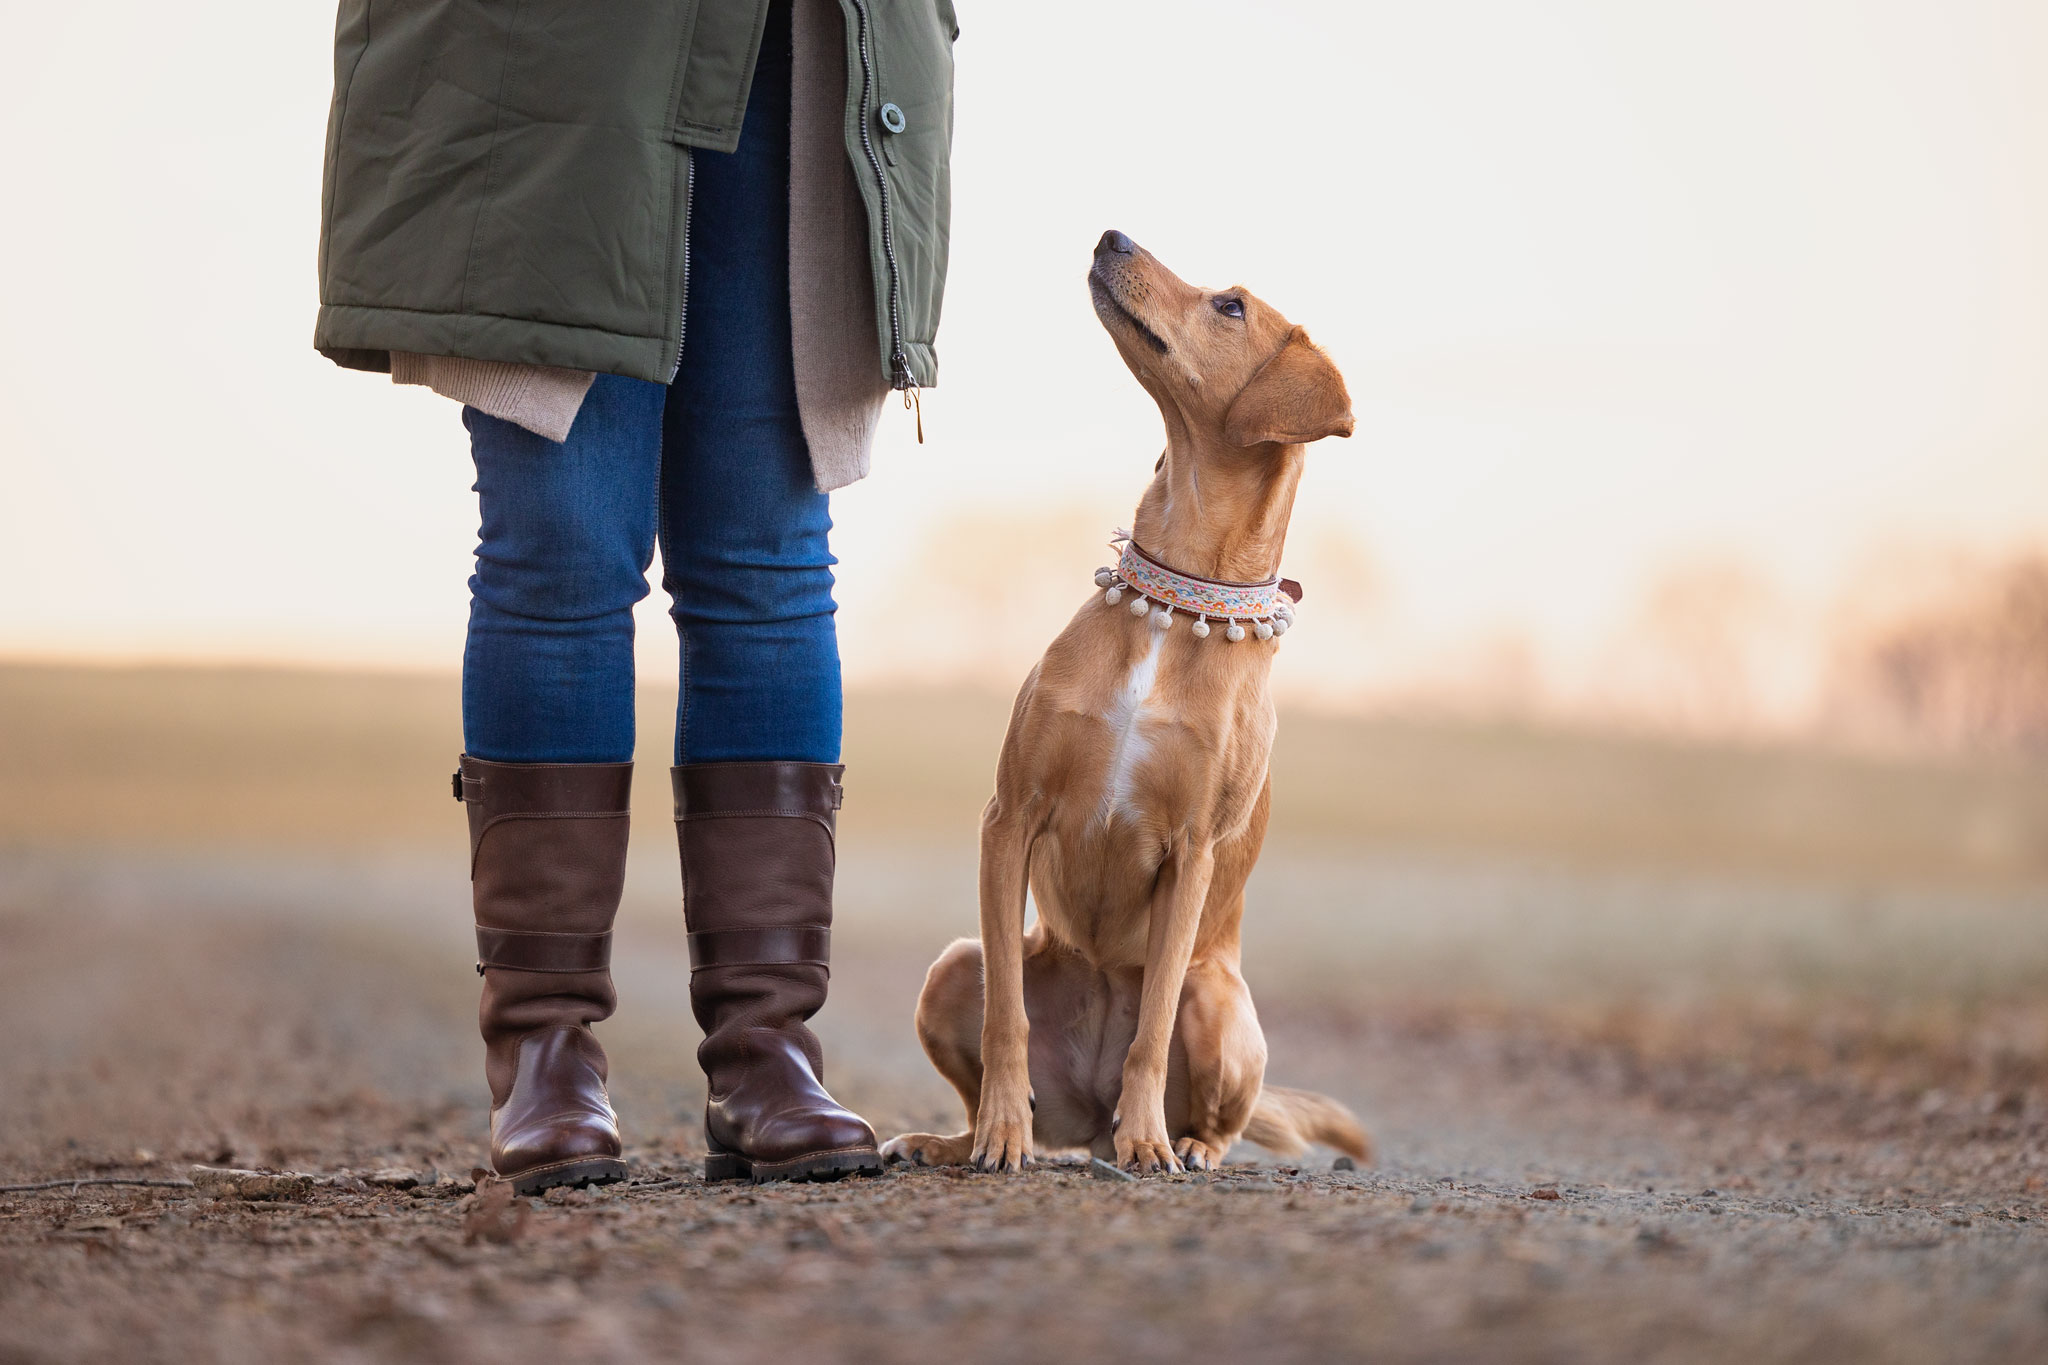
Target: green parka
(509, 180)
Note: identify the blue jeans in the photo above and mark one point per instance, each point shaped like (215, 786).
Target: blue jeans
(715, 469)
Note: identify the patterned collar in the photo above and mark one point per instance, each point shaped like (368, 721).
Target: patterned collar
(1267, 606)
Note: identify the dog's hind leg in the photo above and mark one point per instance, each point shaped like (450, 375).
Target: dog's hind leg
(949, 1027)
(1218, 1064)
(1067, 1004)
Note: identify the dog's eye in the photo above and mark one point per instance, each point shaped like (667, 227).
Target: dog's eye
(1230, 308)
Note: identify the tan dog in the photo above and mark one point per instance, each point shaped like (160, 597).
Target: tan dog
(1132, 794)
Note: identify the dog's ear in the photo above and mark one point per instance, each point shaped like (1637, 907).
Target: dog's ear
(1297, 396)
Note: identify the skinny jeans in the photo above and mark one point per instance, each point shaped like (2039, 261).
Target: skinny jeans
(714, 469)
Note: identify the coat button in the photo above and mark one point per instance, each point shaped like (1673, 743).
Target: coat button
(892, 118)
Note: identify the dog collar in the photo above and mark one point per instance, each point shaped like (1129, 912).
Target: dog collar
(1159, 591)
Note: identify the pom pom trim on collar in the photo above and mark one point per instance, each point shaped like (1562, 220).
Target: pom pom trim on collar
(1263, 609)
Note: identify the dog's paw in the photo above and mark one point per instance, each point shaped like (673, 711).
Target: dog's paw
(1002, 1144)
(1197, 1155)
(927, 1149)
(1143, 1152)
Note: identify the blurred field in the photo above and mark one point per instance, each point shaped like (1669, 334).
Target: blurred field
(220, 758)
(1771, 1023)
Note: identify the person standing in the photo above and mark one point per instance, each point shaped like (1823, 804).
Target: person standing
(671, 257)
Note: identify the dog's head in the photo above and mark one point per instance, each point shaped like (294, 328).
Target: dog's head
(1228, 366)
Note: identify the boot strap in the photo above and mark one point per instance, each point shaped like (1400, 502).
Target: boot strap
(805, 944)
(710, 791)
(529, 950)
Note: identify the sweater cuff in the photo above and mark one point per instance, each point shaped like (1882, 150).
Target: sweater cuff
(541, 398)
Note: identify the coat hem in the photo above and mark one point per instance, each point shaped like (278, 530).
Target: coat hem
(361, 338)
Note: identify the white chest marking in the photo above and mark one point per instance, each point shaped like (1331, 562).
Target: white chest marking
(1128, 742)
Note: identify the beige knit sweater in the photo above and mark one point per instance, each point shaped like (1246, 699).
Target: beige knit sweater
(839, 383)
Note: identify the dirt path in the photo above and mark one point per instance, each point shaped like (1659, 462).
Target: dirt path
(1545, 1194)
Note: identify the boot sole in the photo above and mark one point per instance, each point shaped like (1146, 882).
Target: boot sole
(602, 1170)
(820, 1166)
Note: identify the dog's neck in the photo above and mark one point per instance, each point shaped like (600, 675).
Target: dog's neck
(1218, 511)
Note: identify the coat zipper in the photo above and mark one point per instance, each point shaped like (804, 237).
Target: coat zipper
(683, 318)
(899, 364)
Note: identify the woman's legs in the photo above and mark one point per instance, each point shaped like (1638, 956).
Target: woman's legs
(743, 527)
(568, 534)
(547, 713)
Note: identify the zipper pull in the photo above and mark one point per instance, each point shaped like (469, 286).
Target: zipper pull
(913, 402)
(911, 399)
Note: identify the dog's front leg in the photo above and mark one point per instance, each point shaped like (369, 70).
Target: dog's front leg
(1176, 913)
(1002, 1124)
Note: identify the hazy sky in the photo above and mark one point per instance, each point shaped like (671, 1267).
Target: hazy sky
(1617, 287)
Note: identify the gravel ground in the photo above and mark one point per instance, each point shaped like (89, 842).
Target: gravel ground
(1551, 1188)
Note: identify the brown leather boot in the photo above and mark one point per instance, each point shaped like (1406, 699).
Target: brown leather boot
(757, 847)
(547, 864)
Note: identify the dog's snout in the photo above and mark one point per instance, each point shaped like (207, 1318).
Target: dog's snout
(1113, 240)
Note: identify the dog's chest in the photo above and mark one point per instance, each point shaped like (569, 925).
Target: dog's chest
(1127, 718)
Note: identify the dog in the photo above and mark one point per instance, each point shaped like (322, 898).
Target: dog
(1132, 794)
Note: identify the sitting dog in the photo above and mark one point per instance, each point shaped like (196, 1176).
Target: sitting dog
(1132, 794)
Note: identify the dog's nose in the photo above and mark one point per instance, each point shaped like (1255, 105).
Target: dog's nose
(1113, 240)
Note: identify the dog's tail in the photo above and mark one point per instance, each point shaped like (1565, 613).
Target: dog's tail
(1285, 1122)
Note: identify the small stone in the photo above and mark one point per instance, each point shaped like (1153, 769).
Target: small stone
(664, 1298)
(1102, 1170)
(1343, 1163)
(1545, 1193)
(393, 1178)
